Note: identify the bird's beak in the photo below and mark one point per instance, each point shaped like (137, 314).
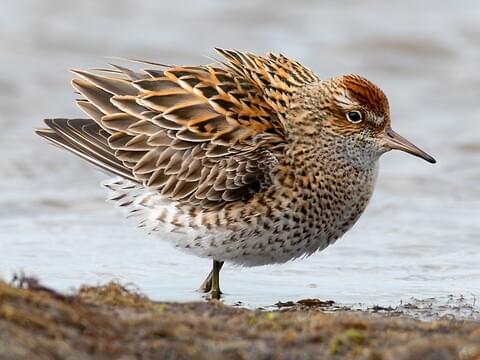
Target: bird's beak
(391, 140)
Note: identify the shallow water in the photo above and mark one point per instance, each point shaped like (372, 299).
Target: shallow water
(420, 236)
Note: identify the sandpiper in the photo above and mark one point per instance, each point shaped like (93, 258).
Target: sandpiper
(252, 160)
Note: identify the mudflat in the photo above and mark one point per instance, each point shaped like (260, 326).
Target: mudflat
(115, 322)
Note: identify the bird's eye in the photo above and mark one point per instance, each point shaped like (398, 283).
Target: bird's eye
(354, 116)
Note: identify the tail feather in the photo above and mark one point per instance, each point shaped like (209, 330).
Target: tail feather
(86, 139)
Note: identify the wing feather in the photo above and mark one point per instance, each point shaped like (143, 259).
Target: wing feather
(206, 135)
(275, 76)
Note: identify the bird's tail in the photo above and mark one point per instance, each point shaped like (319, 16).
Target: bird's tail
(85, 138)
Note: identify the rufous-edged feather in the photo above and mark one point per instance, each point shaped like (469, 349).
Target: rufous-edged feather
(206, 135)
(275, 76)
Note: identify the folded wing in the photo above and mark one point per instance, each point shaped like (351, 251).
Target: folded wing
(206, 135)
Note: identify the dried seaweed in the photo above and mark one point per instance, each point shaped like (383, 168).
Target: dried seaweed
(114, 321)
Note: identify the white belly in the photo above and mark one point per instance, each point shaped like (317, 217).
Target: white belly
(276, 239)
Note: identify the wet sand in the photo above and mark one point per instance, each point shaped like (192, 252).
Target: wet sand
(113, 322)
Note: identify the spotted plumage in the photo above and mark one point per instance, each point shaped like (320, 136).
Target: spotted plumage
(252, 160)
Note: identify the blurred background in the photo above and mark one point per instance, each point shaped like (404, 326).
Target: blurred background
(420, 235)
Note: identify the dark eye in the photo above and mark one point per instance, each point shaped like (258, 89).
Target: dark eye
(354, 116)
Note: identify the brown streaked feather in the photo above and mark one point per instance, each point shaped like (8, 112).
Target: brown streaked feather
(129, 105)
(117, 122)
(90, 109)
(275, 76)
(206, 135)
(110, 84)
(365, 92)
(96, 96)
(59, 134)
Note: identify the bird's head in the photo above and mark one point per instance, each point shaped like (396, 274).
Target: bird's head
(350, 117)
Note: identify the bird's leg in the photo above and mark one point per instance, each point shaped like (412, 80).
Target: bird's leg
(215, 290)
(207, 283)
(212, 282)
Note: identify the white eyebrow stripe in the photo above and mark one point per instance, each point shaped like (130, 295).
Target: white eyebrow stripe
(343, 100)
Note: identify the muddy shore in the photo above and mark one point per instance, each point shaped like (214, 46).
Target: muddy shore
(113, 322)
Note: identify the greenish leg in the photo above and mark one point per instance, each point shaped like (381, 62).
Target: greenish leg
(212, 282)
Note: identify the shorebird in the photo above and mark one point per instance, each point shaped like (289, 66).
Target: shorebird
(251, 160)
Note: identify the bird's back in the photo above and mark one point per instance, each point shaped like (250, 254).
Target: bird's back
(203, 135)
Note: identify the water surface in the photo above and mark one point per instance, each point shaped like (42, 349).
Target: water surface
(420, 236)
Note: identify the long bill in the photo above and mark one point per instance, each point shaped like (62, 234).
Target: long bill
(392, 140)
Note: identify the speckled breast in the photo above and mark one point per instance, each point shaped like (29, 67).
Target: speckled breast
(300, 221)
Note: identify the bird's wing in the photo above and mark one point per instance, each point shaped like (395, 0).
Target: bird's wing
(276, 76)
(204, 134)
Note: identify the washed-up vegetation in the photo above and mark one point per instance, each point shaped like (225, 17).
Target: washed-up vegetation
(114, 322)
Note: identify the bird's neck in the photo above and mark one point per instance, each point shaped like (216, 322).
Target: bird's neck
(327, 155)
(313, 170)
